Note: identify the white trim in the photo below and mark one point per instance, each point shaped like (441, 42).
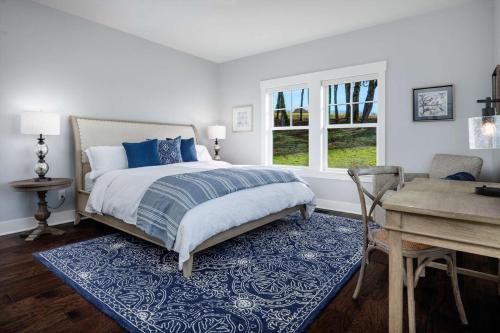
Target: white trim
(344, 72)
(355, 125)
(290, 128)
(335, 174)
(27, 223)
(340, 206)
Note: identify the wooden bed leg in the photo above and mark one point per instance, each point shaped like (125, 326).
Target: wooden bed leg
(187, 267)
(304, 213)
(78, 218)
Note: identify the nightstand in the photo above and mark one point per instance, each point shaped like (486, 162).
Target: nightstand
(42, 214)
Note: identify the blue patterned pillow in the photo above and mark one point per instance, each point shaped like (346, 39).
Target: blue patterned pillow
(170, 151)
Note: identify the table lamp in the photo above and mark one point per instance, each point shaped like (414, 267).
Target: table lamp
(216, 132)
(40, 123)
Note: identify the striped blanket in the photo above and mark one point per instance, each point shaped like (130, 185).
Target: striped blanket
(168, 199)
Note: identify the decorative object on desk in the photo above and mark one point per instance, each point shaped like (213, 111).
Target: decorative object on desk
(483, 131)
(242, 118)
(433, 103)
(42, 214)
(488, 191)
(216, 132)
(40, 123)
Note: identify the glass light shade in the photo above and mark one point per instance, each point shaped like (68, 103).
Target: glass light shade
(484, 132)
(38, 122)
(216, 132)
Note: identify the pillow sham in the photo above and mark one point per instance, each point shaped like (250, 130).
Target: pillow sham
(141, 154)
(202, 153)
(188, 150)
(170, 150)
(105, 158)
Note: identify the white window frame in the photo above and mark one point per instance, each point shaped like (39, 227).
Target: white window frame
(318, 113)
(380, 158)
(270, 115)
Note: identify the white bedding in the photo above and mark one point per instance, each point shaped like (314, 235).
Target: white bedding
(118, 193)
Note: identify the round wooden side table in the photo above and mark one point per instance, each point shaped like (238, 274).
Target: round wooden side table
(42, 214)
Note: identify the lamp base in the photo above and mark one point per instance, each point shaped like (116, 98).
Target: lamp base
(216, 150)
(41, 180)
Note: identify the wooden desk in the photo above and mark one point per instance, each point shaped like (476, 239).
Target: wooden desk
(441, 213)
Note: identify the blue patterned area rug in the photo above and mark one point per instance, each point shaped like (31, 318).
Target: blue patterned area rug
(274, 279)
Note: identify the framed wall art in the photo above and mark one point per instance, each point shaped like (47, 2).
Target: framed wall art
(242, 118)
(433, 103)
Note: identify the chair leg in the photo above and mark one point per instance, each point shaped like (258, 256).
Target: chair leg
(452, 267)
(411, 295)
(420, 260)
(360, 277)
(454, 260)
(369, 251)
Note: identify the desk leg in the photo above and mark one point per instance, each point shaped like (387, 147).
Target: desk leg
(498, 277)
(395, 282)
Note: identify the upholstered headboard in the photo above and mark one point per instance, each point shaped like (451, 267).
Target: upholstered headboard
(89, 132)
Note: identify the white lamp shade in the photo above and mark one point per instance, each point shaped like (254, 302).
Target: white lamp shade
(216, 132)
(40, 123)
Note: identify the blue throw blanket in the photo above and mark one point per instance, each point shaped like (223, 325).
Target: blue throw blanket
(168, 199)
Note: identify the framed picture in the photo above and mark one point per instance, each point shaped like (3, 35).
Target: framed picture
(242, 118)
(433, 103)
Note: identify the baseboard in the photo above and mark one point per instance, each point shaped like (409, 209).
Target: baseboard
(340, 206)
(28, 223)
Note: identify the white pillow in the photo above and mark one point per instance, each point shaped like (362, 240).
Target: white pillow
(202, 154)
(106, 158)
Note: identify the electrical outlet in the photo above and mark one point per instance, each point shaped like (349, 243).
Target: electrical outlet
(61, 194)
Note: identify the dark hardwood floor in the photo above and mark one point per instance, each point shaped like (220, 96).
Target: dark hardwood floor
(33, 300)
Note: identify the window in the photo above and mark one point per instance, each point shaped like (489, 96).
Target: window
(291, 127)
(351, 131)
(327, 121)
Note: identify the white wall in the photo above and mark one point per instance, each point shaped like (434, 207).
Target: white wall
(496, 61)
(452, 46)
(496, 32)
(56, 62)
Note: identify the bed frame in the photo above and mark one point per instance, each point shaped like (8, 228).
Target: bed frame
(88, 132)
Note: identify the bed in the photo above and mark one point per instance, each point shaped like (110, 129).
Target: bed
(102, 197)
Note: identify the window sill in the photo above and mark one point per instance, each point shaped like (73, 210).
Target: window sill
(339, 174)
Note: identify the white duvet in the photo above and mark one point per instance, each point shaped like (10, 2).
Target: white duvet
(118, 193)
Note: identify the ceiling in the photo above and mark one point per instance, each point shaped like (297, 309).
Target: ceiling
(224, 30)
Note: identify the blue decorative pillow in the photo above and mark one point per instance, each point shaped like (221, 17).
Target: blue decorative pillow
(142, 154)
(188, 150)
(170, 151)
(461, 176)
